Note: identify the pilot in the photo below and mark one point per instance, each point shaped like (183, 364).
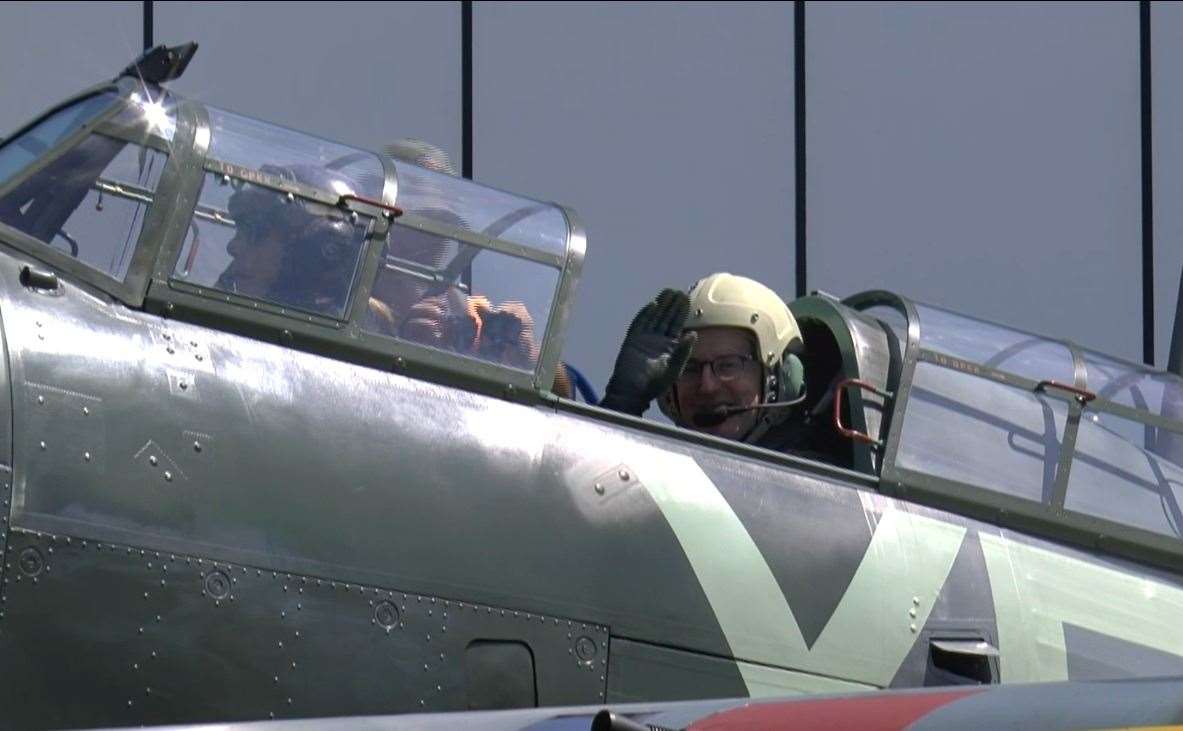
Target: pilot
(287, 252)
(722, 359)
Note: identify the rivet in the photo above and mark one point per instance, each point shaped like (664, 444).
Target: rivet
(170, 350)
(168, 476)
(599, 489)
(196, 446)
(86, 456)
(43, 446)
(916, 600)
(199, 357)
(170, 307)
(290, 198)
(755, 317)
(224, 180)
(624, 476)
(152, 460)
(85, 411)
(912, 627)
(40, 399)
(912, 613)
(184, 385)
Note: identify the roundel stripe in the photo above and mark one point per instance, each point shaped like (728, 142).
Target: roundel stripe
(867, 713)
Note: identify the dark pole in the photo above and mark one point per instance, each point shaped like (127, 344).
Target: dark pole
(1147, 190)
(1175, 359)
(466, 88)
(148, 24)
(799, 129)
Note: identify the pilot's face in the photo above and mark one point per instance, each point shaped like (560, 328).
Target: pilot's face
(701, 389)
(258, 254)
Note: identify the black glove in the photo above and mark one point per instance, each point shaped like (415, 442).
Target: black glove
(653, 354)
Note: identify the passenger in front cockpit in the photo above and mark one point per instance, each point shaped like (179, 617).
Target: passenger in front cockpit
(722, 359)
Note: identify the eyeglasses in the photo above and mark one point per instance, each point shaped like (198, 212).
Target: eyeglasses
(726, 368)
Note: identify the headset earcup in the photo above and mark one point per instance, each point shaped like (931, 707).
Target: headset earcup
(792, 376)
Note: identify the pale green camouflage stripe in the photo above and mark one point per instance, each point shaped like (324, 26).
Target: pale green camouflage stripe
(870, 633)
(1037, 590)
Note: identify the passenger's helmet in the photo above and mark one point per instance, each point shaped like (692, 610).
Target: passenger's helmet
(727, 300)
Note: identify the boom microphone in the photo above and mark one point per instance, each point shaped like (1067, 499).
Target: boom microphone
(720, 414)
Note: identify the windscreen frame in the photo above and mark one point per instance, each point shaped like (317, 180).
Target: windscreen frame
(132, 288)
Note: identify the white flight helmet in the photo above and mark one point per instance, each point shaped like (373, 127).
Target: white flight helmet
(727, 300)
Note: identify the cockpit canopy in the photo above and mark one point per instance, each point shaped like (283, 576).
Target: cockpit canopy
(285, 224)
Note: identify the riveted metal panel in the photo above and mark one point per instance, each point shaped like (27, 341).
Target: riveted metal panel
(116, 634)
(5, 512)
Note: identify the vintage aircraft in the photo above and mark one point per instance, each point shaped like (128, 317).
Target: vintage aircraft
(245, 478)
